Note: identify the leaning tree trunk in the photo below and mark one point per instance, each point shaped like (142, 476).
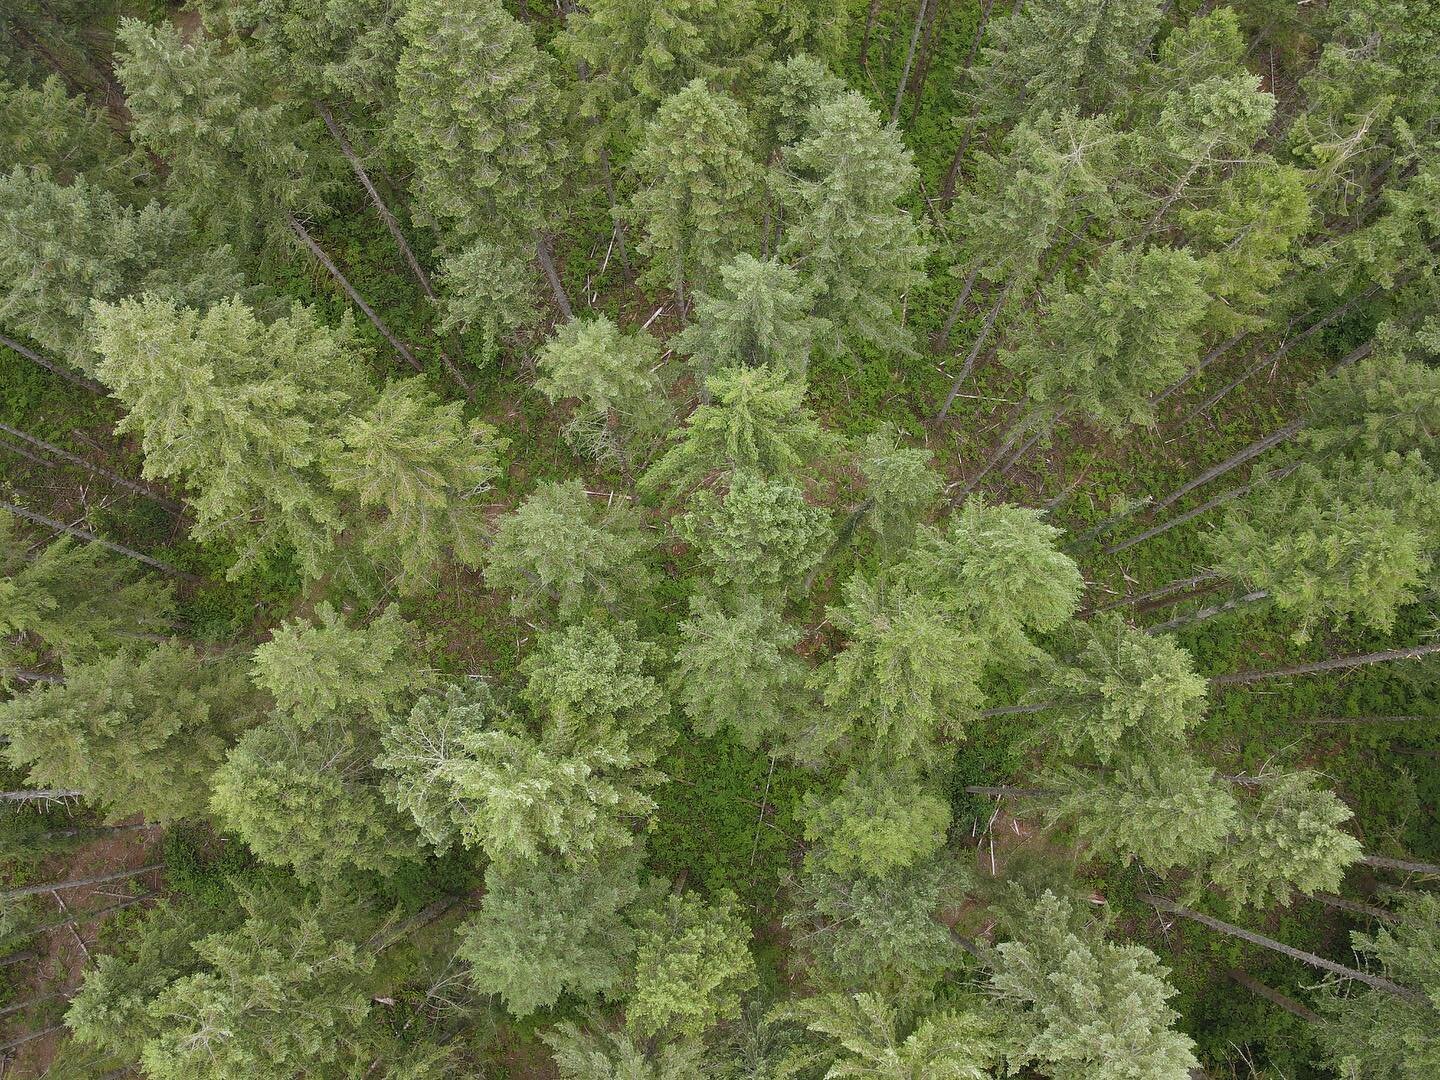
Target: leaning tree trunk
(393, 226)
(143, 490)
(1179, 585)
(1234, 461)
(1284, 350)
(39, 795)
(870, 16)
(56, 886)
(1193, 373)
(981, 338)
(1339, 903)
(54, 367)
(119, 549)
(543, 245)
(922, 62)
(942, 339)
(952, 174)
(1018, 429)
(359, 301)
(1289, 1004)
(1203, 508)
(1339, 663)
(909, 61)
(1400, 864)
(1378, 982)
(25, 675)
(1252, 597)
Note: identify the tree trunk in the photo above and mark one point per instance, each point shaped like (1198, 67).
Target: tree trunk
(547, 264)
(1369, 720)
(1105, 524)
(20, 1006)
(18, 957)
(1284, 350)
(984, 336)
(386, 216)
(870, 17)
(1203, 508)
(1190, 376)
(922, 62)
(54, 368)
(608, 179)
(1177, 586)
(952, 174)
(1383, 863)
(29, 676)
(1234, 461)
(1376, 981)
(55, 886)
(1018, 429)
(1006, 789)
(359, 301)
(39, 795)
(909, 61)
(1339, 663)
(92, 916)
(942, 339)
(1018, 710)
(120, 549)
(93, 830)
(31, 1037)
(1209, 612)
(1341, 904)
(120, 481)
(1289, 1004)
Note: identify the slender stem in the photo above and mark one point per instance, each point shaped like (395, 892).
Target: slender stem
(359, 301)
(909, 61)
(99, 470)
(1339, 663)
(1203, 508)
(547, 264)
(1341, 904)
(53, 367)
(1234, 461)
(29, 676)
(1190, 376)
(1289, 1004)
(1209, 612)
(39, 795)
(1383, 863)
(54, 886)
(85, 534)
(1179, 585)
(979, 344)
(870, 17)
(1279, 354)
(942, 339)
(1376, 981)
(393, 226)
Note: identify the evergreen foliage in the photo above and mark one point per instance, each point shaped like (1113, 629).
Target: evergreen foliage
(735, 669)
(140, 731)
(563, 550)
(1085, 1007)
(697, 188)
(692, 963)
(545, 928)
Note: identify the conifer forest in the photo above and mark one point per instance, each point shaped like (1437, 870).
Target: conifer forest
(719, 539)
